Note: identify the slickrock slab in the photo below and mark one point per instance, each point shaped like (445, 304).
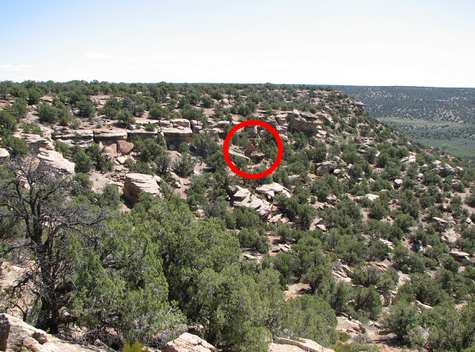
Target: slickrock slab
(111, 135)
(56, 160)
(36, 142)
(187, 342)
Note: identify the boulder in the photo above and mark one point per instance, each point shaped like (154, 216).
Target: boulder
(124, 147)
(187, 342)
(56, 160)
(136, 184)
(303, 121)
(110, 150)
(4, 154)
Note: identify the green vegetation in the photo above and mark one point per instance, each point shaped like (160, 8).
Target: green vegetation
(356, 222)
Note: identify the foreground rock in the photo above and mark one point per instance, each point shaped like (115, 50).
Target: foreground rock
(187, 342)
(18, 336)
(136, 184)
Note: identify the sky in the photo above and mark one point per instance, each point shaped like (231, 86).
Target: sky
(344, 42)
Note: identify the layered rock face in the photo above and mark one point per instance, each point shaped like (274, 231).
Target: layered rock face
(56, 160)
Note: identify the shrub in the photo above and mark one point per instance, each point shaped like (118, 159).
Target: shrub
(47, 114)
(185, 166)
(249, 238)
(83, 162)
(7, 121)
(401, 319)
(309, 317)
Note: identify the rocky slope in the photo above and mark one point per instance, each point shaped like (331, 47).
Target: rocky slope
(385, 210)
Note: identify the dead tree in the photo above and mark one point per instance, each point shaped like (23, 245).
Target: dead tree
(37, 198)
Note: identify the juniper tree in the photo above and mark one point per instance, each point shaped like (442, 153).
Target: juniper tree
(35, 197)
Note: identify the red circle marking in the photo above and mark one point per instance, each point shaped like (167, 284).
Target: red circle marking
(234, 168)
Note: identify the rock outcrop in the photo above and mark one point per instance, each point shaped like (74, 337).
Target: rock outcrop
(18, 336)
(56, 160)
(174, 136)
(244, 198)
(80, 138)
(109, 136)
(135, 184)
(187, 342)
(272, 189)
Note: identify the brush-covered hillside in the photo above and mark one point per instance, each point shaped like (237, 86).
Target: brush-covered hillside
(439, 117)
(120, 223)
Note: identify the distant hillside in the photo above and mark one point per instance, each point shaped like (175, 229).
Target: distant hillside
(434, 104)
(439, 117)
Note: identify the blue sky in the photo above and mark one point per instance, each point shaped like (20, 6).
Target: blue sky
(364, 42)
